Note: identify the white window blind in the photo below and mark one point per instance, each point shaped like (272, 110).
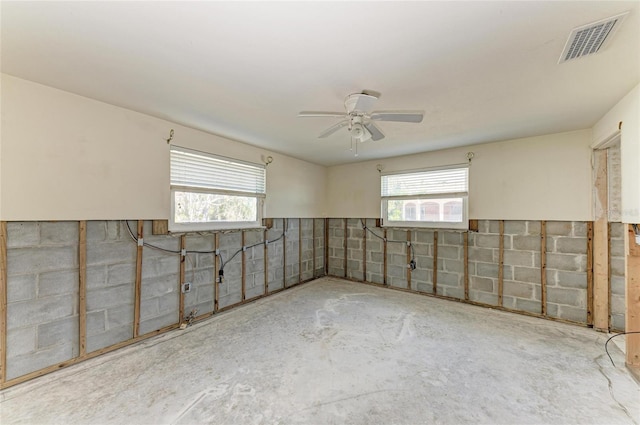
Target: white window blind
(195, 169)
(434, 182)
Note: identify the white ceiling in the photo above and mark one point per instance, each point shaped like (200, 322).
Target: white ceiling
(481, 71)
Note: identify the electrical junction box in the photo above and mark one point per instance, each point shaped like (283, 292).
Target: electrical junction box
(186, 287)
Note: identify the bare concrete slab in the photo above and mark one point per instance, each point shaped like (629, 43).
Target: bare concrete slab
(336, 352)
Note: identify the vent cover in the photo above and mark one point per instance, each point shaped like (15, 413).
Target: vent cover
(588, 39)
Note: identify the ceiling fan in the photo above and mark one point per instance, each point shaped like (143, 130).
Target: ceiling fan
(359, 117)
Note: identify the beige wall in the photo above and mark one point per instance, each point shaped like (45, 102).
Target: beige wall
(537, 178)
(67, 157)
(626, 111)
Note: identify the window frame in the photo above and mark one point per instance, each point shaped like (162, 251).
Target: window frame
(421, 198)
(215, 225)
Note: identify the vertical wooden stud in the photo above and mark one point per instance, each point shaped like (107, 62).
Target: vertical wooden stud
(364, 252)
(409, 258)
(138, 284)
(345, 244)
(183, 262)
(313, 246)
(608, 275)
(466, 265)
(243, 275)
(265, 291)
(3, 302)
(285, 224)
(326, 246)
(299, 250)
(600, 238)
(435, 262)
(384, 257)
(501, 265)
(543, 268)
(590, 273)
(632, 295)
(82, 287)
(216, 276)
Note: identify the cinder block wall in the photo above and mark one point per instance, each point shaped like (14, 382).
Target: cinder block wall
(43, 273)
(521, 281)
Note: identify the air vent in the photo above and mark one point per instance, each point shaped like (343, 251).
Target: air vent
(589, 39)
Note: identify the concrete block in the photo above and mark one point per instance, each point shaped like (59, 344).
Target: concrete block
(118, 231)
(526, 274)
(452, 252)
(374, 267)
(560, 228)
(533, 227)
(354, 265)
(23, 234)
(483, 297)
(96, 276)
(568, 262)
(481, 254)
(58, 283)
(618, 322)
(453, 292)
(21, 287)
(21, 365)
(420, 249)
(617, 248)
(571, 279)
(397, 282)
(42, 310)
(169, 303)
(59, 331)
(518, 289)
(398, 260)
(452, 238)
(515, 227)
(374, 277)
(421, 275)
(494, 226)
(617, 285)
(456, 266)
(487, 270)
(449, 279)
(617, 266)
(376, 257)
(96, 322)
(481, 284)
(572, 313)
(424, 237)
(113, 252)
(59, 233)
(618, 304)
(119, 316)
(487, 241)
(579, 229)
(617, 230)
(354, 244)
(108, 338)
(100, 299)
(526, 243)
(21, 341)
(96, 231)
(395, 271)
(424, 287)
(528, 305)
(149, 308)
(118, 274)
(567, 296)
(571, 245)
(518, 258)
(396, 248)
(32, 260)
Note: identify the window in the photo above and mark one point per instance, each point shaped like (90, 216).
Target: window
(441, 195)
(211, 192)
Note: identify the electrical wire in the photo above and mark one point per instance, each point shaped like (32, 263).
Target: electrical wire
(413, 255)
(610, 338)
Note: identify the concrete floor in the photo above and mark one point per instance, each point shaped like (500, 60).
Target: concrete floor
(335, 352)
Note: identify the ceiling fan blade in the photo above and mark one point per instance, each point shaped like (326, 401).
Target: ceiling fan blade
(365, 103)
(320, 114)
(376, 134)
(329, 131)
(398, 116)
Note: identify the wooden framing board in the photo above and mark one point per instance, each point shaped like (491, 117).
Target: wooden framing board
(543, 268)
(183, 261)
(435, 262)
(326, 246)
(609, 327)
(632, 295)
(590, 273)
(3, 302)
(82, 287)
(285, 225)
(384, 257)
(364, 252)
(138, 284)
(216, 277)
(299, 250)
(465, 236)
(345, 244)
(408, 259)
(501, 265)
(243, 273)
(265, 291)
(313, 246)
(600, 237)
